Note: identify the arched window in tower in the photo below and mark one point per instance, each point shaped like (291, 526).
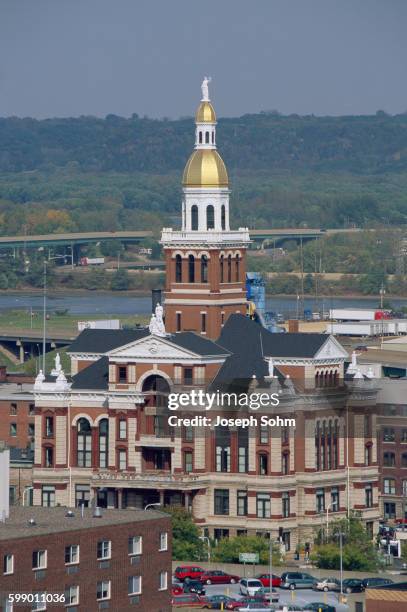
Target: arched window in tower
(222, 269)
(103, 443)
(84, 443)
(210, 217)
(213, 137)
(204, 269)
(194, 217)
(237, 267)
(206, 137)
(200, 137)
(191, 269)
(223, 216)
(229, 268)
(178, 269)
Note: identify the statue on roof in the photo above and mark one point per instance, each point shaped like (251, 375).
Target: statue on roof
(156, 326)
(205, 89)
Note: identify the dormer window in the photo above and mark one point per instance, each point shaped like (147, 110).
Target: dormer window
(122, 374)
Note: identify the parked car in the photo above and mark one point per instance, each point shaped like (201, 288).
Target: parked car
(234, 605)
(265, 580)
(218, 577)
(264, 592)
(319, 607)
(352, 585)
(327, 584)
(254, 605)
(214, 602)
(177, 589)
(375, 582)
(194, 586)
(249, 586)
(297, 580)
(189, 600)
(185, 572)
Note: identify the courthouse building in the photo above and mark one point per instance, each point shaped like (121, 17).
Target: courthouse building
(104, 437)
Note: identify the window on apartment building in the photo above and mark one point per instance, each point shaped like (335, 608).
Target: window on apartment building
(368, 454)
(8, 564)
(367, 430)
(389, 510)
(178, 269)
(222, 268)
(40, 602)
(12, 495)
(49, 456)
(241, 532)
(39, 559)
(178, 322)
(242, 453)
(285, 435)
(31, 409)
(104, 550)
(82, 496)
(285, 504)
(134, 585)
(188, 433)
(103, 590)
(404, 488)
(103, 442)
(163, 541)
(219, 534)
(241, 503)
(326, 445)
(285, 463)
(389, 486)
(188, 376)
(13, 430)
(13, 408)
(188, 461)
(122, 459)
(264, 436)
(49, 426)
(71, 554)
(242, 459)
(221, 499)
(334, 499)
(403, 435)
(203, 322)
(84, 443)
(72, 595)
(263, 505)
(237, 268)
(163, 581)
(404, 460)
(263, 464)
(229, 268)
(122, 371)
(222, 449)
(204, 269)
(389, 459)
(388, 434)
(48, 496)
(135, 545)
(368, 496)
(320, 500)
(122, 429)
(31, 430)
(191, 269)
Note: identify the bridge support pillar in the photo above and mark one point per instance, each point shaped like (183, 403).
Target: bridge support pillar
(20, 344)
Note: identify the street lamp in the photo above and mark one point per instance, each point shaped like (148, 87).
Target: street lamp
(151, 505)
(271, 565)
(340, 534)
(207, 540)
(327, 521)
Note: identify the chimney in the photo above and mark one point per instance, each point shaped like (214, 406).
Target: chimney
(293, 326)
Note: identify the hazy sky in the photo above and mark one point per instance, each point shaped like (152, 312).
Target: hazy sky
(80, 57)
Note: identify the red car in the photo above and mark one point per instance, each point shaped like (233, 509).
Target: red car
(218, 577)
(177, 589)
(265, 580)
(190, 600)
(185, 572)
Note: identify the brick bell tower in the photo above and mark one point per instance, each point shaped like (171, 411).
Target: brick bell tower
(206, 260)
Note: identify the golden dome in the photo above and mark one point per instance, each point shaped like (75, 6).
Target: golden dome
(205, 168)
(205, 113)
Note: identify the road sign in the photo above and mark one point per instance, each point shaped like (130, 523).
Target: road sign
(248, 557)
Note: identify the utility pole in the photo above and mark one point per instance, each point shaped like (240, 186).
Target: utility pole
(44, 318)
(271, 566)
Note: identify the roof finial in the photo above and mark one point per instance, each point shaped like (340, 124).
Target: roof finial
(205, 89)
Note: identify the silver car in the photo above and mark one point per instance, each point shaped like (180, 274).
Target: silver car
(326, 584)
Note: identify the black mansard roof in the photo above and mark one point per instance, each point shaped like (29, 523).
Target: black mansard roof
(105, 340)
(95, 376)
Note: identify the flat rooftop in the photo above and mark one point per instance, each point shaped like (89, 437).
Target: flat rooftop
(54, 520)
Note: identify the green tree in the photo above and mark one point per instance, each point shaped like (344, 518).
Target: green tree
(228, 549)
(120, 280)
(186, 543)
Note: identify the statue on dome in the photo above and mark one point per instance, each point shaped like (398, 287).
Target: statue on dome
(271, 368)
(156, 326)
(205, 89)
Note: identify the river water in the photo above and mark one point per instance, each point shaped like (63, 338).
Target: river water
(112, 304)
